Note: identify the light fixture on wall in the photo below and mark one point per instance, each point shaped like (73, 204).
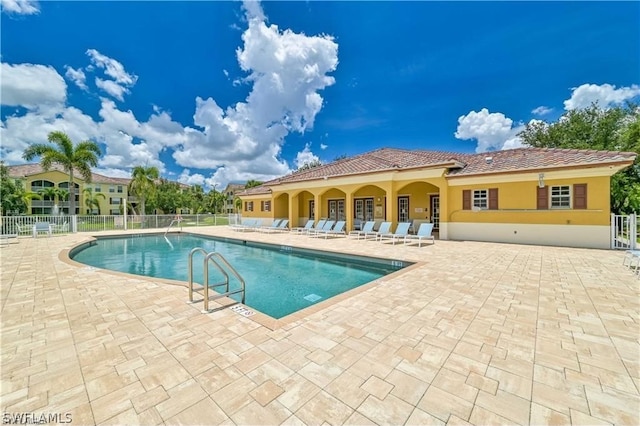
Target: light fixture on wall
(541, 180)
(378, 198)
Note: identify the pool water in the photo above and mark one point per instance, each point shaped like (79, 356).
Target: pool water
(279, 280)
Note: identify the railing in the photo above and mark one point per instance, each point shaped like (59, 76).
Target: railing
(96, 223)
(216, 259)
(624, 232)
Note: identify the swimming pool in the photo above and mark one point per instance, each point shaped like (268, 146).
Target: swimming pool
(279, 280)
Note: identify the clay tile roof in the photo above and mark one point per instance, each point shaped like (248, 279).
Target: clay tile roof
(24, 170)
(459, 164)
(375, 161)
(522, 159)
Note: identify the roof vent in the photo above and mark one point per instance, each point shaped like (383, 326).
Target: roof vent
(488, 160)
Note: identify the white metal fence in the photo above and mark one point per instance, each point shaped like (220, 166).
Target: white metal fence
(624, 232)
(23, 225)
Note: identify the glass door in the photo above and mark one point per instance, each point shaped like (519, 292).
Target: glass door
(435, 211)
(403, 209)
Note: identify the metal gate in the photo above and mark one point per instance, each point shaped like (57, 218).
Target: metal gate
(624, 232)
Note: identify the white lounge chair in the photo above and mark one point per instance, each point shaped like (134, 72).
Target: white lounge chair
(367, 228)
(281, 227)
(385, 228)
(338, 230)
(319, 225)
(327, 226)
(424, 233)
(305, 228)
(401, 232)
(273, 225)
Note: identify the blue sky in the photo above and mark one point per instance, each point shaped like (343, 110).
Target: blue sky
(213, 91)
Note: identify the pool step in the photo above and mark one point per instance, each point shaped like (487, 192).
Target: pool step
(223, 266)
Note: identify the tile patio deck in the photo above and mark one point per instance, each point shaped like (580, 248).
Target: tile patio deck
(479, 333)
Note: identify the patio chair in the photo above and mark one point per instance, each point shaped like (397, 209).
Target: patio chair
(385, 228)
(248, 225)
(5, 239)
(24, 229)
(319, 225)
(273, 225)
(367, 228)
(424, 233)
(39, 227)
(338, 230)
(300, 229)
(401, 232)
(64, 228)
(281, 227)
(327, 226)
(242, 224)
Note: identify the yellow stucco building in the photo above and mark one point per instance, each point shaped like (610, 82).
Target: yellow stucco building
(110, 192)
(526, 195)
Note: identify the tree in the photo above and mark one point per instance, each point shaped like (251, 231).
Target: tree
(53, 193)
(13, 197)
(142, 184)
(167, 196)
(614, 129)
(80, 157)
(252, 183)
(91, 199)
(237, 201)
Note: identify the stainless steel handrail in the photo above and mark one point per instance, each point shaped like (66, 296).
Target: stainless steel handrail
(214, 257)
(171, 224)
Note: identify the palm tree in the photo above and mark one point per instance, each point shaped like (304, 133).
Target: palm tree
(80, 157)
(251, 183)
(143, 183)
(91, 199)
(54, 194)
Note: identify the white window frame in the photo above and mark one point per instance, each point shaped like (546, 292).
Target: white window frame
(249, 206)
(561, 196)
(480, 199)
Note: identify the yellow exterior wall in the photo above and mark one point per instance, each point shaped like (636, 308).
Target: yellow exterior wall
(257, 213)
(517, 203)
(58, 177)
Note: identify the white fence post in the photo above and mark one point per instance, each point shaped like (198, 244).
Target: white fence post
(74, 223)
(633, 230)
(613, 231)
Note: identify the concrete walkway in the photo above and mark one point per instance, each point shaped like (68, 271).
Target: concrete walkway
(478, 333)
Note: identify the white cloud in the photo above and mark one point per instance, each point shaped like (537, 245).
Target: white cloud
(542, 110)
(122, 80)
(492, 131)
(31, 86)
(77, 76)
(112, 88)
(112, 68)
(286, 70)
(605, 95)
(305, 157)
(323, 146)
(240, 142)
(253, 9)
(20, 7)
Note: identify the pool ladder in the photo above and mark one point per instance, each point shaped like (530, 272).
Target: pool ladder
(178, 221)
(218, 261)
